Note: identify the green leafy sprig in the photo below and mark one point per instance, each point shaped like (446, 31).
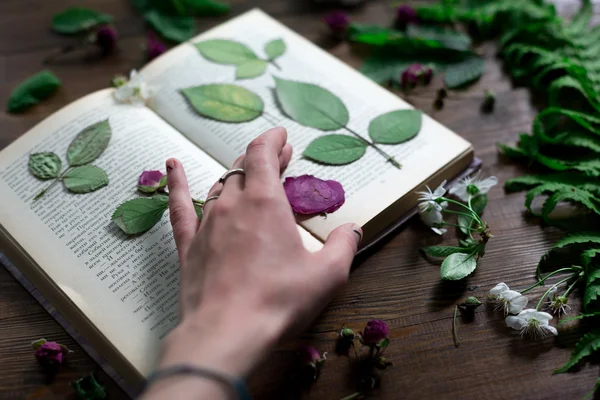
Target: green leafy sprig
(78, 177)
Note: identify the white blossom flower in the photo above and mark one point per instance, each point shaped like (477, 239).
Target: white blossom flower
(135, 91)
(559, 305)
(532, 323)
(429, 199)
(508, 300)
(472, 186)
(432, 217)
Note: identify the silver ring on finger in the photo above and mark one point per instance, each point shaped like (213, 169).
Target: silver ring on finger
(209, 199)
(234, 171)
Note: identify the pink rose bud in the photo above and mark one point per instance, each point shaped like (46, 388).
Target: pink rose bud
(309, 195)
(405, 15)
(50, 354)
(415, 74)
(338, 22)
(312, 360)
(106, 38)
(375, 331)
(151, 181)
(154, 47)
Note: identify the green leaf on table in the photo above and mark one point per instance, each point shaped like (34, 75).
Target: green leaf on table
(225, 51)
(580, 316)
(478, 204)
(561, 192)
(46, 165)
(204, 8)
(177, 28)
(355, 29)
(587, 345)
(89, 144)
(383, 66)
(458, 266)
(76, 19)
(225, 102)
(571, 178)
(448, 37)
(250, 69)
(85, 179)
(139, 215)
(395, 126)
(311, 105)
(588, 255)
(275, 48)
(335, 149)
(444, 251)
(32, 91)
(581, 241)
(464, 73)
(592, 292)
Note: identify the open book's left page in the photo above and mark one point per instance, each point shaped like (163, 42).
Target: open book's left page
(127, 287)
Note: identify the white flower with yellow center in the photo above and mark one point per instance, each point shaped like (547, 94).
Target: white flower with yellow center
(472, 186)
(532, 323)
(510, 301)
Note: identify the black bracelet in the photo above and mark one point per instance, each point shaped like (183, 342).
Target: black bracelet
(236, 385)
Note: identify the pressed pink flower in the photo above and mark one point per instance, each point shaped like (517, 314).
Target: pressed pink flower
(151, 181)
(405, 15)
(106, 38)
(154, 47)
(309, 195)
(50, 355)
(375, 331)
(416, 74)
(337, 21)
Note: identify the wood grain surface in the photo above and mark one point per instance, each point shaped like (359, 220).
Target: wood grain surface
(392, 283)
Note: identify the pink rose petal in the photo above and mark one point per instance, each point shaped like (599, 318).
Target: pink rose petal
(309, 195)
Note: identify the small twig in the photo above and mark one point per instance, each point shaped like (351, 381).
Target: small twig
(454, 331)
(389, 158)
(43, 191)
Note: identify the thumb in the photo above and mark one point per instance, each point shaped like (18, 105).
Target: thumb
(340, 247)
(183, 217)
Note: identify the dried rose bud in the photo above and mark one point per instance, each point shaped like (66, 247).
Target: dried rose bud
(312, 360)
(442, 94)
(106, 38)
(49, 354)
(488, 101)
(151, 181)
(382, 363)
(438, 104)
(338, 22)
(154, 47)
(405, 15)
(375, 332)
(415, 74)
(309, 195)
(347, 333)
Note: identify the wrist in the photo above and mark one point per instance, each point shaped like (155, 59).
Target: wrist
(233, 342)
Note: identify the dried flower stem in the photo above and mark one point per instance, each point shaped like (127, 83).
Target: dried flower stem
(356, 395)
(454, 330)
(539, 304)
(275, 64)
(59, 178)
(541, 281)
(389, 158)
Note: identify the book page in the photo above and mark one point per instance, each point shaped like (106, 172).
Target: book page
(128, 287)
(371, 183)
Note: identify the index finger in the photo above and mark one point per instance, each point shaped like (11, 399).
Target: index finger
(262, 158)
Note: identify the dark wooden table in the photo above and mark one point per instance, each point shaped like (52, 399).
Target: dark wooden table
(393, 283)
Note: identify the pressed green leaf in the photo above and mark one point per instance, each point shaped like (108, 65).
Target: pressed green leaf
(335, 149)
(199, 211)
(141, 214)
(464, 73)
(395, 126)
(224, 102)
(75, 20)
(251, 69)
(32, 91)
(89, 144)
(205, 8)
(457, 266)
(85, 179)
(448, 37)
(444, 251)
(225, 51)
(46, 165)
(587, 345)
(177, 28)
(311, 105)
(275, 48)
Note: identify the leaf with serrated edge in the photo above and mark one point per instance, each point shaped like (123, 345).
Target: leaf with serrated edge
(335, 149)
(32, 91)
(250, 69)
(587, 345)
(224, 102)
(46, 165)
(275, 48)
(225, 51)
(85, 179)
(395, 126)
(311, 105)
(458, 266)
(444, 251)
(141, 214)
(463, 73)
(89, 144)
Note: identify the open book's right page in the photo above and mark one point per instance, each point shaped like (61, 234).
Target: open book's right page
(371, 183)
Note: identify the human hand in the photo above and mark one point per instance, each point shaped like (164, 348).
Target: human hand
(246, 278)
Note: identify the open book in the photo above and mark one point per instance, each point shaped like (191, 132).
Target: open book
(121, 292)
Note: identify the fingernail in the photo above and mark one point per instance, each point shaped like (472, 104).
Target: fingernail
(358, 231)
(170, 165)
